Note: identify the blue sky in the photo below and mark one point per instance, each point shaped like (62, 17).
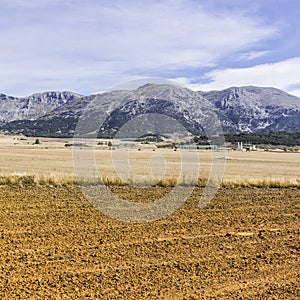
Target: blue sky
(89, 46)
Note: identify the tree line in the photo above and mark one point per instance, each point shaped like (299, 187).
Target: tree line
(272, 138)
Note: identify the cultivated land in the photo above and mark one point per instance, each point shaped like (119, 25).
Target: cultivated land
(55, 245)
(52, 159)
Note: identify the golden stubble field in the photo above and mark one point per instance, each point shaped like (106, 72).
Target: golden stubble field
(51, 158)
(55, 245)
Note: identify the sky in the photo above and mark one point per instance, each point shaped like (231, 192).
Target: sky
(89, 46)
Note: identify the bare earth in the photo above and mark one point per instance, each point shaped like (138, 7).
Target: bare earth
(55, 245)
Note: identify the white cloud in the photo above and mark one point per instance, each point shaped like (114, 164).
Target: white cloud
(253, 54)
(90, 45)
(295, 92)
(284, 75)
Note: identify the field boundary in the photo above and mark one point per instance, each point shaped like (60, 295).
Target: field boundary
(33, 180)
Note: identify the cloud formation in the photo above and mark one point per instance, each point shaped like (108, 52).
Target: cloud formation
(253, 54)
(91, 45)
(284, 75)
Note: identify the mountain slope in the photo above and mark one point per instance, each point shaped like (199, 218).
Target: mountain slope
(255, 109)
(188, 107)
(239, 109)
(32, 107)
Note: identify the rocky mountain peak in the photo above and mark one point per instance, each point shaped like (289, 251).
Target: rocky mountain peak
(33, 106)
(239, 109)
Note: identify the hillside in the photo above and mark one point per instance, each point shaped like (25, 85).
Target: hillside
(239, 109)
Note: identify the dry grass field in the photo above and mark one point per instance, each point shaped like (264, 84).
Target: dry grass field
(52, 159)
(55, 245)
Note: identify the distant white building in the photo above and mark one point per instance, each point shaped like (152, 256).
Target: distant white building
(247, 147)
(240, 146)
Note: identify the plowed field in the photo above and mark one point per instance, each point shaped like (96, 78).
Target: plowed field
(55, 245)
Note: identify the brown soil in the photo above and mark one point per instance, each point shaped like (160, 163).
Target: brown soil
(55, 245)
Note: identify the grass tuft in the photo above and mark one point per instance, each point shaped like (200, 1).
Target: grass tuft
(261, 183)
(32, 180)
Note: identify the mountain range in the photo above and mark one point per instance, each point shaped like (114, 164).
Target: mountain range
(247, 109)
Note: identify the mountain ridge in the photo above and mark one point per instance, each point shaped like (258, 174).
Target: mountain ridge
(244, 109)
(32, 106)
